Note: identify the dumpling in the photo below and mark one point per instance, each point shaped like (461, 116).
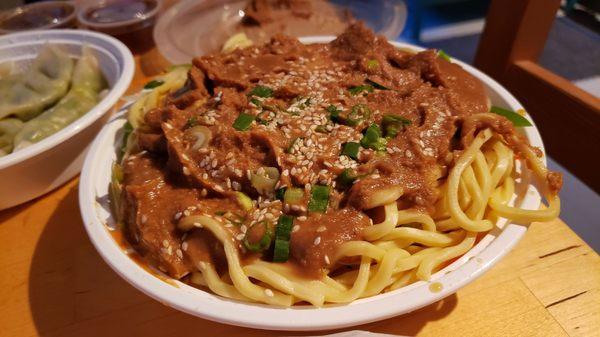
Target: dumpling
(7, 69)
(9, 127)
(86, 85)
(42, 85)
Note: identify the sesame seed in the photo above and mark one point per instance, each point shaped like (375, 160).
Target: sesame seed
(165, 243)
(179, 253)
(327, 259)
(240, 237)
(184, 246)
(197, 224)
(295, 228)
(269, 292)
(317, 240)
(321, 229)
(144, 219)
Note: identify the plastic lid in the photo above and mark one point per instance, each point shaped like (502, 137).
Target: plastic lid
(115, 17)
(42, 15)
(197, 27)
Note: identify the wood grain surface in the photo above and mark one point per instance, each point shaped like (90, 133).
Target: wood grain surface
(54, 283)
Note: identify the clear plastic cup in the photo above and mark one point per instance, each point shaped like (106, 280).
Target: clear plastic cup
(41, 15)
(131, 21)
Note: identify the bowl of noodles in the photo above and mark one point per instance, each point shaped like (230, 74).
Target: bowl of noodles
(314, 185)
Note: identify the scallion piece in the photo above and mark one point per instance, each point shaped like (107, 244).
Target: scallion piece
(347, 177)
(263, 243)
(280, 193)
(153, 84)
(357, 114)
(360, 88)
(261, 91)
(321, 129)
(293, 195)
(290, 147)
(127, 130)
(512, 116)
(372, 138)
(372, 64)
(392, 124)
(444, 56)
(255, 101)
(377, 85)
(283, 231)
(191, 122)
(319, 199)
(243, 122)
(244, 201)
(350, 149)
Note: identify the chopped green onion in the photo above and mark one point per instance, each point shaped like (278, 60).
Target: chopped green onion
(377, 85)
(444, 56)
(280, 193)
(265, 179)
(261, 91)
(191, 122)
(244, 201)
(332, 109)
(153, 84)
(347, 177)
(319, 199)
(357, 114)
(293, 195)
(360, 88)
(371, 64)
(392, 124)
(263, 243)
(321, 129)
(127, 130)
(512, 116)
(350, 149)
(243, 122)
(283, 231)
(255, 101)
(372, 139)
(290, 147)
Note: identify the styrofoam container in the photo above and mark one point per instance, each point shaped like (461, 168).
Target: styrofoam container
(41, 167)
(95, 210)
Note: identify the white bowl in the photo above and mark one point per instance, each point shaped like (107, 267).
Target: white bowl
(93, 189)
(39, 168)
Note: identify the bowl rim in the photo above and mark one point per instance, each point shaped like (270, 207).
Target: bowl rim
(301, 318)
(104, 105)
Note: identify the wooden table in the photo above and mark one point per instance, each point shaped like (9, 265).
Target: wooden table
(54, 283)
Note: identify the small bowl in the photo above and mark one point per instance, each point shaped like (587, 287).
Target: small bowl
(130, 21)
(95, 211)
(41, 15)
(43, 166)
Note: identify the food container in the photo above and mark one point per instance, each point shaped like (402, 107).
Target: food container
(197, 27)
(41, 15)
(43, 166)
(131, 21)
(95, 210)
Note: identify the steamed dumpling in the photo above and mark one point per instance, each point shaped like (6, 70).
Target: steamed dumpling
(43, 84)
(9, 127)
(86, 85)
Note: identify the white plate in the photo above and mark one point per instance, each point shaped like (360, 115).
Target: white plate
(43, 166)
(93, 191)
